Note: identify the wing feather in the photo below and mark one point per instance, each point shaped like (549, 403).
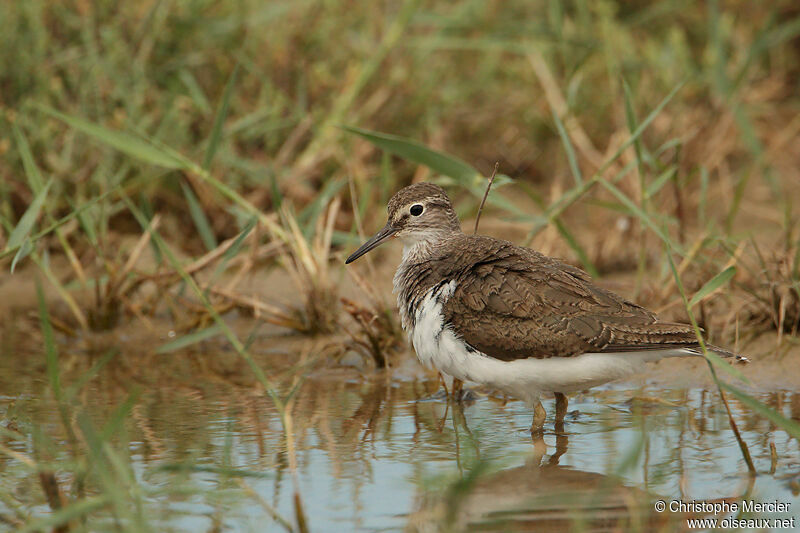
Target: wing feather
(521, 304)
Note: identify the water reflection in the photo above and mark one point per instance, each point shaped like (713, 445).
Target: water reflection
(373, 454)
(542, 495)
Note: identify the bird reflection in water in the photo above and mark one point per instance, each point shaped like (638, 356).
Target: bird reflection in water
(540, 495)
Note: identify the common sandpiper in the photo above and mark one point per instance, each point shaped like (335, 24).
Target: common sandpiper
(485, 310)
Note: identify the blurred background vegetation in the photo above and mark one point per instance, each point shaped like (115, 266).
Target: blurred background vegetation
(158, 156)
(479, 80)
(253, 94)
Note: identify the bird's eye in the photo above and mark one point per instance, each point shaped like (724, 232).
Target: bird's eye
(416, 210)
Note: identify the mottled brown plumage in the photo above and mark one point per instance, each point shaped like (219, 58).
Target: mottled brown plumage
(512, 302)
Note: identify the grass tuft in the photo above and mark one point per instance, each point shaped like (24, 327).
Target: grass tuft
(775, 293)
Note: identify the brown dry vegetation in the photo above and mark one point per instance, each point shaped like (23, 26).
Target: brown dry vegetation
(167, 166)
(719, 159)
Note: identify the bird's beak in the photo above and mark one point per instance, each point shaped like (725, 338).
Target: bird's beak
(375, 241)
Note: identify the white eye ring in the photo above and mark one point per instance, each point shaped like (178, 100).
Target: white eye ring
(416, 210)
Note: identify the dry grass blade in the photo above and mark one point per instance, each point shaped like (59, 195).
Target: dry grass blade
(143, 241)
(271, 313)
(120, 285)
(209, 257)
(307, 263)
(62, 291)
(776, 294)
(379, 333)
(559, 106)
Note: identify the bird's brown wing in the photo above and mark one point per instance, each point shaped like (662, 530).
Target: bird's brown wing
(521, 304)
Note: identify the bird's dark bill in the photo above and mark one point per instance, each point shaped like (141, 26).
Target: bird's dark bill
(375, 241)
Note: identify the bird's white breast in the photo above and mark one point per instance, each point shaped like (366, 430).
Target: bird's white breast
(426, 330)
(438, 346)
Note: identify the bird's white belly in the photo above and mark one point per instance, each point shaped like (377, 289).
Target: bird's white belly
(439, 347)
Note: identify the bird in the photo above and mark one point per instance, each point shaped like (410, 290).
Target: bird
(487, 311)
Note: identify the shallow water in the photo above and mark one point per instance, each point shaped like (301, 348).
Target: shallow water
(374, 452)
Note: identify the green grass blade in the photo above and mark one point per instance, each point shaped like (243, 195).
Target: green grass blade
(110, 484)
(658, 183)
(569, 198)
(221, 470)
(73, 511)
(32, 172)
(477, 188)
(124, 142)
(50, 350)
(87, 376)
(583, 257)
(637, 211)
(232, 252)
(190, 339)
(643, 125)
(571, 157)
(60, 222)
(28, 219)
(630, 117)
(24, 251)
(195, 91)
(119, 416)
(713, 284)
(767, 39)
(199, 218)
(219, 119)
(307, 218)
(89, 225)
(158, 241)
(790, 426)
(415, 152)
(60, 289)
(275, 192)
(716, 360)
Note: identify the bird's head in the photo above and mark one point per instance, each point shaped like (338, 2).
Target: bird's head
(421, 212)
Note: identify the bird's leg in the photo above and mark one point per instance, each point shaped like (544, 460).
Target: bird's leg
(539, 449)
(443, 383)
(458, 389)
(561, 411)
(562, 442)
(539, 416)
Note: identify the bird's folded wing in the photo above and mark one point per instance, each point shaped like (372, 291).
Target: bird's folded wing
(509, 309)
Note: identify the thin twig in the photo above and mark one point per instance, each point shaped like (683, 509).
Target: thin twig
(115, 285)
(485, 196)
(275, 315)
(267, 251)
(773, 455)
(734, 427)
